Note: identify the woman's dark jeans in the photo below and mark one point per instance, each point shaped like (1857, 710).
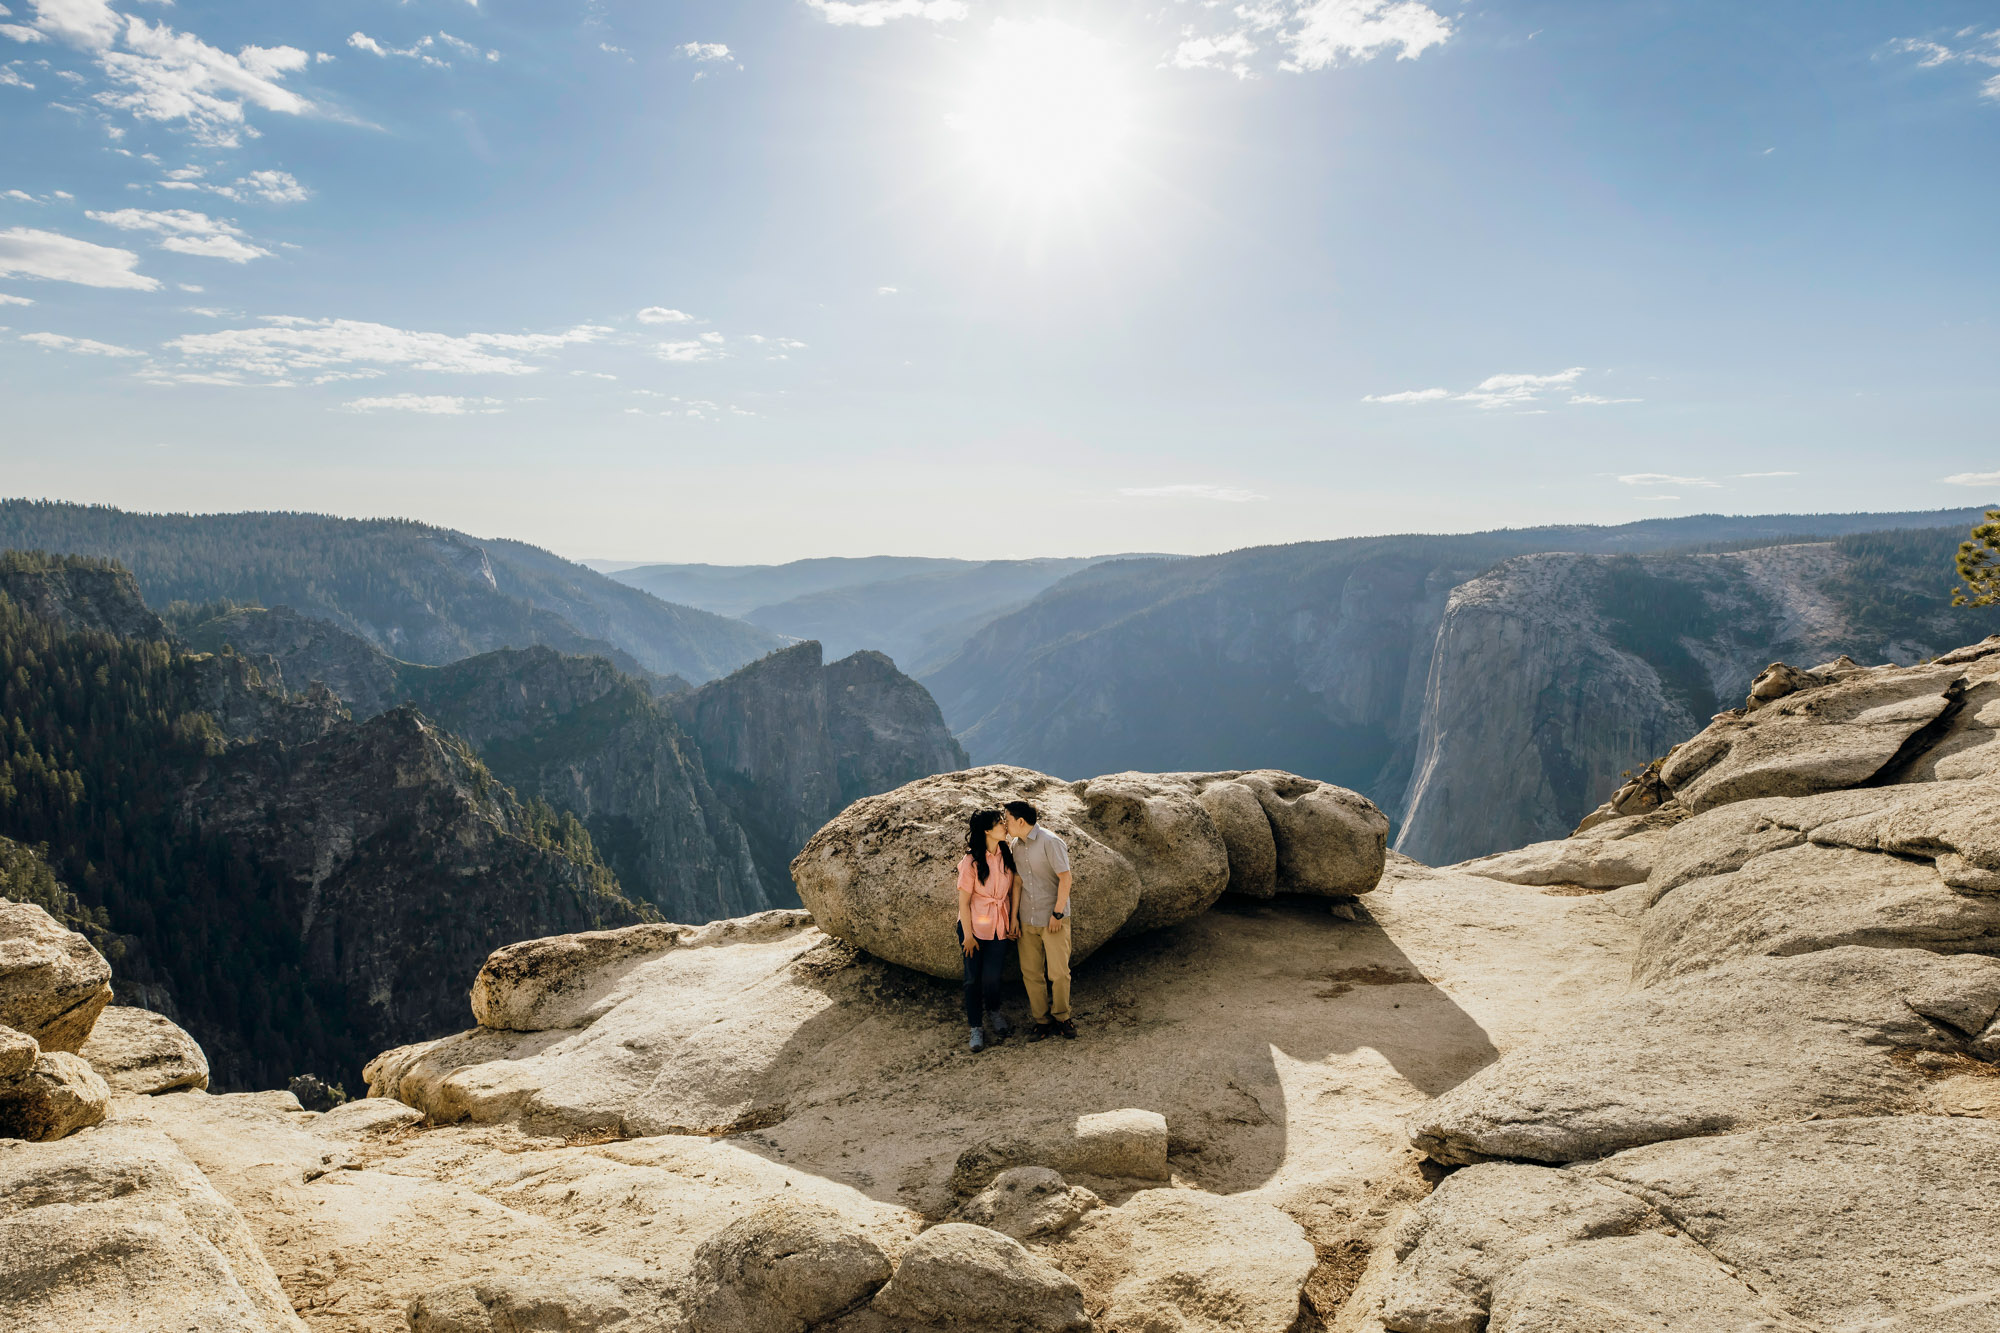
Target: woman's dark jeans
(982, 977)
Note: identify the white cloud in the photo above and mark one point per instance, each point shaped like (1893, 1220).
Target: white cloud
(1314, 34)
(9, 79)
(423, 50)
(1973, 479)
(1767, 474)
(7, 299)
(1979, 48)
(89, 24)
(1664, 479)
(874, 13)
(275, 187)
(1229, 50)
(659, 314)
(86, 346)
(685, 351)
(187, 232)
(21, 34)
(707, 52)
(290, 345)
(1526, 391)
(1189, 491)
(885, 291)
(47, 254)
(592, 375)
(443, 405)
(174, 76)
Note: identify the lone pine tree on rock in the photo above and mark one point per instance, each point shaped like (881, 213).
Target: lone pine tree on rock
(1976, 565)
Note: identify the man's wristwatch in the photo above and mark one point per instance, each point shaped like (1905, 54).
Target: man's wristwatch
(1057, 916)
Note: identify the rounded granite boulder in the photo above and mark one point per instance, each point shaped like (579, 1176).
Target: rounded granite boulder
(1147, 851)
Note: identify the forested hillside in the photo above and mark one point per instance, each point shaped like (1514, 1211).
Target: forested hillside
(114, 757)
(421, 593)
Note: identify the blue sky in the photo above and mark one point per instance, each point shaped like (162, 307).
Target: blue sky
(756, 281)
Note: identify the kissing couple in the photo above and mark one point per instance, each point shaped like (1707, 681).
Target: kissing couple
(1013, 884)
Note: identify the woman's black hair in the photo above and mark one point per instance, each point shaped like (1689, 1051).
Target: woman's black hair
(975, 843)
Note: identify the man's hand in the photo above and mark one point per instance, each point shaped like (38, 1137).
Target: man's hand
(1057, 925)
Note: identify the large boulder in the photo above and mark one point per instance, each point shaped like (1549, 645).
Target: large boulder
(54, 1097)
(1759, 1041)
(540, 985)
(1824, 738)
(1186, 1261)
(53, 984)
(1147, 850)
(140, 1052)
(958, 1276)
(115, 1228)
(785, 1268)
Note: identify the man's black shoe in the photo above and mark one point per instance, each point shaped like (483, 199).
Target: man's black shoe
(1040, 1030)
(1067, 1028)
(976, 1042)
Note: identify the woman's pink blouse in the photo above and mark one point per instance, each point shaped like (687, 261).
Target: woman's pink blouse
(989, 900)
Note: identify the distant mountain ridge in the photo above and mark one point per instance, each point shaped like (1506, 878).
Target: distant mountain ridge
(918, 610)
(1318, 657)
(420, 593)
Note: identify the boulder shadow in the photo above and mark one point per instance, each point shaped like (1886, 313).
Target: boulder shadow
(1257, 1029)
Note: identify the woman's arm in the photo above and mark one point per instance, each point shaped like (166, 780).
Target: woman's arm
(967, 940)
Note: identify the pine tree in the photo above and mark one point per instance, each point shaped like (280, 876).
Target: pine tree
(1979, 565)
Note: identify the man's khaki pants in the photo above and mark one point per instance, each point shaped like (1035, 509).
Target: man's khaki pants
(1045, 971)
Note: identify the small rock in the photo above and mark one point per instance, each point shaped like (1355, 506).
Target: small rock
(143, 1053)
(1130, 1144)
(18, 1051)
(1028, 1201)
(963, 1277)
(58, 1095)
(368, 1115)
(784, 1268)
(53, 984)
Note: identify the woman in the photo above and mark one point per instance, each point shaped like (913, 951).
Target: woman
(988, 910)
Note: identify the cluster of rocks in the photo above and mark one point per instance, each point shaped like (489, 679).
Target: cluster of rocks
(1787, 1122)
(1149, 850)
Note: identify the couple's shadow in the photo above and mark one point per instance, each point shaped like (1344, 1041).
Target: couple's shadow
(1259, 1030)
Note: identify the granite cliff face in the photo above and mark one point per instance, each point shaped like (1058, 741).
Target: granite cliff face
(1554, 676)
(789, 741)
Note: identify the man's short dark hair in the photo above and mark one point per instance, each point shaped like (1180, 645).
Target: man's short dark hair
(1022, 810)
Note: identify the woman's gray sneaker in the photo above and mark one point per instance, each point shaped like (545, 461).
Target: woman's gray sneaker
(996, 1027)
(977, 1041)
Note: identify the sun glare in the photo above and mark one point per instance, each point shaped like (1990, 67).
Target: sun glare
(1044, 114)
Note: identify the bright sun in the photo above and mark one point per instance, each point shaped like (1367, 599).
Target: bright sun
(1044, 115)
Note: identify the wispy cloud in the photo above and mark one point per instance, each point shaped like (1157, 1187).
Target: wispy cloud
(1664, 479)
(1311, 34)
(442, 405)
(874, 13)
(1973, 479)
(1527, 391)
(1766, 474)
(433, 50)
(706, 52)
(57, 342)
(1192, 491)
(690, 350)
(186, 232)
(1976, 48)
(8, 299)
(334, 349)
(29, 253)
(659, 314)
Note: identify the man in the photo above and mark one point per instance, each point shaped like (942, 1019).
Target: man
(1041, 860)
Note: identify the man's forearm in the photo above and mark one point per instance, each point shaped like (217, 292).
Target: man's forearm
(1062, 893)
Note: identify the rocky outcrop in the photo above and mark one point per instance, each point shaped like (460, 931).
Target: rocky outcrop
(78, 594)
(144, 1054)
(53, 984)
(1145, 852)
(296, 650)
(53, 1097)
(115, 1228)
(1815, 1011)
(789, 741)
(960, 1276)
